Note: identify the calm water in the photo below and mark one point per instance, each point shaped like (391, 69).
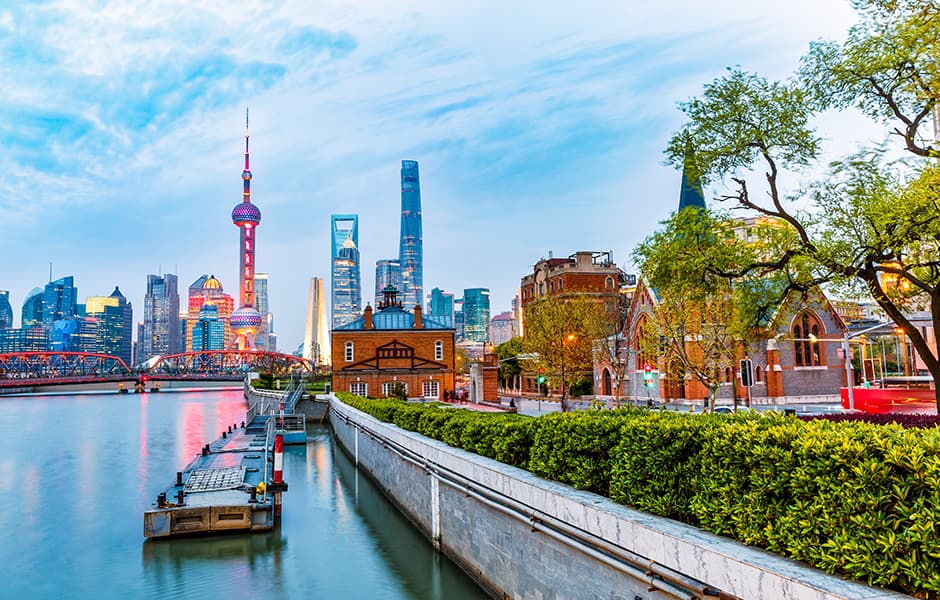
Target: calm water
(77, 472)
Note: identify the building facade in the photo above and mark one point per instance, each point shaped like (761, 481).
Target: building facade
(265, 339)
(208, 289)
(115, 317)
(208, 333)
(411, 250)
(502, 328)
(161, 317)
(24, 339)
(476, 314)
(390, 347)
(346, 276)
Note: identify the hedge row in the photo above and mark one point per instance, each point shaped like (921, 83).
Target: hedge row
(851, 497)
(906, 420)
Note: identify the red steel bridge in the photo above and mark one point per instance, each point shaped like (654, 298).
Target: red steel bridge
(27, 369)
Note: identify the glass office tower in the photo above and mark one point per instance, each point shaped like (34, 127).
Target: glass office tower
(59, 301)
(476, 314)
(387, 272)
(32, 309)
(441, 307)
(346, 278)
(6, 311)
(410, 253)
(115, 317)
(161, 317)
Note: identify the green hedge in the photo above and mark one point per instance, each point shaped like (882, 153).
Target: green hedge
(855, 498)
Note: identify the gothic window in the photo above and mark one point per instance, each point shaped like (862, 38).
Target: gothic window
(609, 282)
(349, 351)
(758, 374)
(807, 350)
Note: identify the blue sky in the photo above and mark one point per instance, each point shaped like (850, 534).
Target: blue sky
(538, 127)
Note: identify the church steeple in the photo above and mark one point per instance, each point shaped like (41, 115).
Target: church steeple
(691, 193)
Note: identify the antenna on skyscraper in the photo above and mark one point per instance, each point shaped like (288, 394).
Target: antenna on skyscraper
(50, 271)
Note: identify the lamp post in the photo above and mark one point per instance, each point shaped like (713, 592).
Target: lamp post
(564, 358)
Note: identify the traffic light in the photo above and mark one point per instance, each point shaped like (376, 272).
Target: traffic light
(648, 378)
(541, 378)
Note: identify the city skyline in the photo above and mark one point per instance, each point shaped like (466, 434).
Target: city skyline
(558, 130)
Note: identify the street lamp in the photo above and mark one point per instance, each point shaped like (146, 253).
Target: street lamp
(564, 356)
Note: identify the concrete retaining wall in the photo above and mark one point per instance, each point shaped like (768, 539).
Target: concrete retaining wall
(523, 537)
(315, 409)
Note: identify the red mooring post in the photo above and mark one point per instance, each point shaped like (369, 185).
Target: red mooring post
(278, 476)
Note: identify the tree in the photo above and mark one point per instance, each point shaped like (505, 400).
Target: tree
(461, 361)
(611, 347)
(872, 224)
(509, 367)
(563, 332)
(699, 321)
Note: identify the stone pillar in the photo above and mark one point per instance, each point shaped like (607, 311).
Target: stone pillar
(774, 375)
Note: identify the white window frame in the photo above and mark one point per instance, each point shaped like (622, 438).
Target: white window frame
(387, 387)
(439, 350)
(431, 389)
(359, 388)
(350, 351)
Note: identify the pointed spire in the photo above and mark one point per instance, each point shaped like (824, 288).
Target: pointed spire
(246, 138)
(691, 193)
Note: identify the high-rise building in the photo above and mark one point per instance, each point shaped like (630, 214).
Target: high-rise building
(387, 273)
(32, 309)
(59, 301)
(74, 334)
(6, 311)
(246, 320)
(346, 279)
(265, 338)
(476, 314)
(441, 306)
(410, 253)
(115, 317)
(316, 346)
(209, 330)
(458, 319)
(208, 289)
(24, 339)
(161, 317)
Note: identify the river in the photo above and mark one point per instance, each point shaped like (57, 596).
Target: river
(78, 471)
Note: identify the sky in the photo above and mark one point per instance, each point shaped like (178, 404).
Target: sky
(539, 127)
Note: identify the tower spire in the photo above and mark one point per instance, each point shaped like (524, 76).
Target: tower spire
(691, 193)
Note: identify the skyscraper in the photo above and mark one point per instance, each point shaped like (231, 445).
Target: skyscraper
(476, 314)
(265, 338)
(115, 317)
(346, 278)
(410, 253)
(59, 301)
(441, 307)
(246, 321)
(207, 289)
(316, 346)
(387, 272)
(209, 330)
(32, 309)
(6, 311)
(161, 317)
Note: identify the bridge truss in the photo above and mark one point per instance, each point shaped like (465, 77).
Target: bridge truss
(211, 363)
(25, 368)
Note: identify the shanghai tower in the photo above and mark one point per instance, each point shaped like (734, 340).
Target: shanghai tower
(410, 252)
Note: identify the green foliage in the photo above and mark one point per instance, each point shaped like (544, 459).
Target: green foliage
(853, 498)
(582, 387)
(510, 367)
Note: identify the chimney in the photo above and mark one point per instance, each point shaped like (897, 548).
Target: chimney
(367, 315)
(419, 323)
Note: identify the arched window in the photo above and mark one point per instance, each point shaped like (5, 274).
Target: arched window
(807, 350)
(609, 282)
(728, 375)
(438, 350)
(349, 348)
(607, 383)
(758, 374)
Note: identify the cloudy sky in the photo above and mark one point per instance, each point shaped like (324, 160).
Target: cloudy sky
(539, 126)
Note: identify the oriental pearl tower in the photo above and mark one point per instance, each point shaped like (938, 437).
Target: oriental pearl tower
(246, 320)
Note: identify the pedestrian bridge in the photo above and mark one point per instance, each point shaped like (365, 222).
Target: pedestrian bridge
(31, 369)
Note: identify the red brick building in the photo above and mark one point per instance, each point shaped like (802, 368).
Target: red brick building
(390, 345)
(581, 273)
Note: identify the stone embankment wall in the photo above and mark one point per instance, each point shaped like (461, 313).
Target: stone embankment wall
(523, 537)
